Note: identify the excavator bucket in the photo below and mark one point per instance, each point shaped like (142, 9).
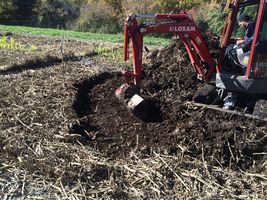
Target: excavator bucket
(125, 94)
(146, 109)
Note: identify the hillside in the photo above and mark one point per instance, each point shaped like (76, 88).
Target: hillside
(105, 16)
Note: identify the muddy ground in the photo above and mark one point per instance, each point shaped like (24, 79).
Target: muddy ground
(64, 134)
(170, 80)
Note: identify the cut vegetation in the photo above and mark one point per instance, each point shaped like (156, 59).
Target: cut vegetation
(63, 135)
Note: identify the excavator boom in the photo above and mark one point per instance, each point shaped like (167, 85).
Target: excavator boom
(182, 26)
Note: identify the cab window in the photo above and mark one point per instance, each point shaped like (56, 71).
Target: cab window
(263, 30)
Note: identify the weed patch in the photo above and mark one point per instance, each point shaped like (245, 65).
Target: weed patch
(12, 44)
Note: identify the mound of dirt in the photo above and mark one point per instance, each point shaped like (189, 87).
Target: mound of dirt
(219, 137)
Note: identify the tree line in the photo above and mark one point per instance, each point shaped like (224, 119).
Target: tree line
(89, 15)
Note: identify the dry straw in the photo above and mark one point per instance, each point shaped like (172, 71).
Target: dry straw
(41, 159)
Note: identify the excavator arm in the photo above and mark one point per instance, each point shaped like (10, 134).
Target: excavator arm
(182, 26)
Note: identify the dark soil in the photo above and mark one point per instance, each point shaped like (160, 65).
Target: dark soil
(219, 138)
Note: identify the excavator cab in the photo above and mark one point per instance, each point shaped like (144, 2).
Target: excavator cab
(258, 64)
(237, 52)
(252, 76)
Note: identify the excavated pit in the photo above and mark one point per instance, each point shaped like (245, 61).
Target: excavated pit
(220, 138)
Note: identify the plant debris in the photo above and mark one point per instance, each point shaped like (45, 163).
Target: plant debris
(65, 135)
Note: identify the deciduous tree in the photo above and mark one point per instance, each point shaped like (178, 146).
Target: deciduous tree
(17, 11)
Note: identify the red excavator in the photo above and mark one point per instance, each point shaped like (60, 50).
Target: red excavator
(247, 86)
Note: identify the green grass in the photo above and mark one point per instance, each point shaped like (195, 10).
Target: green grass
(118, 38)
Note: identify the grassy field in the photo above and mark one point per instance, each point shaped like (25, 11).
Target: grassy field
(118, 38)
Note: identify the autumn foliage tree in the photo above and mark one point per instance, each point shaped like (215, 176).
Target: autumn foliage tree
(56, 13)
(17, 11)
(87, 15)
